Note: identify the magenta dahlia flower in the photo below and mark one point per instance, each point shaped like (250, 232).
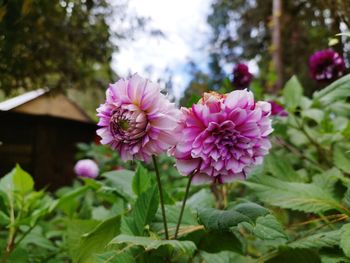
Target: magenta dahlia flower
(326, 65)
(277, 109)
(223, 136)
(86, 168)
(137, 120)
(241, 76)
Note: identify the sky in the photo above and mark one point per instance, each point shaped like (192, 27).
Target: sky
(186, 33)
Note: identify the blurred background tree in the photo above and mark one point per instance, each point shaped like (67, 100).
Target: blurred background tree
(241, 31)
(64, 45)
(56, 44)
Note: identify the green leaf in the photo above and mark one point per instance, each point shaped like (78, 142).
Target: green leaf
(75, 229)
(292, 93)
(268, 228)
(202, 198)
(121, 181)
(141, 181)
(338, 90)
(115, 257)
(313, 114)
(304, 197)
(319, 240)
(148, 243)
(228, 242)
(37, 238)
(295, 255)
(341, 158)
(224, 257)
(172, 214)
(65, 201)
(17, 180)
(281, 168)
(214, 219)
(346, 198)
(328, 179)
(345, 239)
(144, 211)
(96, 240)
(22, 181)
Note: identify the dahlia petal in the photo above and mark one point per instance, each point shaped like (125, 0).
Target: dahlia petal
(186, 167)
(225, 134)
(202, 179)
(126, 119)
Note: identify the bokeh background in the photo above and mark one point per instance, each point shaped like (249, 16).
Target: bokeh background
(79, 46)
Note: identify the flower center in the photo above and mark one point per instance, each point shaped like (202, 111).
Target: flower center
(128, 126)
(123, 124)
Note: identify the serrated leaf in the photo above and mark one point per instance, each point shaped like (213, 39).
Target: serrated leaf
(338, 90)
(222, 220)
(115, 257)
(224, 257)
(121, 181)
(148, 243)
(268, 228)
(228, 242)
(346, 198)
(172, 213)
(141, 181)
(96, 240)
(328, 179)
(341, 158)
(281, 168)
(319, 240)
(144, 211)
(345, 239)
(202, 198)
(304, 197)
(292, 93)
(313, 114)
(295, 255)
(65, 201)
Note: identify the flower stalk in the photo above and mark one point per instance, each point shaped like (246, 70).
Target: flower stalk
(161, 198)
(184, 202)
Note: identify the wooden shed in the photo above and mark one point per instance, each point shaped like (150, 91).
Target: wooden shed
(40, 130)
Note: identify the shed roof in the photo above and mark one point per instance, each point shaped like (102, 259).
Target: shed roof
(42, 102)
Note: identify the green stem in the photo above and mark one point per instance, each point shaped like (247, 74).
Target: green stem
(161, 196)
(12, 232)
(184, 202)
(25, 234)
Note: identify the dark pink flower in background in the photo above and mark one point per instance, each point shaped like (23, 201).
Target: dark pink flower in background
(277, 109)
(326, 65)
(223, 136)
(137, 120)
(86, 168)
(241, 76)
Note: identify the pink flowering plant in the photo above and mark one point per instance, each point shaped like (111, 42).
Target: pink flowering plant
(230, 178)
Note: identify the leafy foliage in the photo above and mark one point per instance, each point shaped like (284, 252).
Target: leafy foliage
(295, 207)
(214, 219)
(297, 196)
(186, 247)
(145, 209)
(58, 44)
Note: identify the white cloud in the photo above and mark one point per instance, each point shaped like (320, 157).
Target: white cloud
(184, 24)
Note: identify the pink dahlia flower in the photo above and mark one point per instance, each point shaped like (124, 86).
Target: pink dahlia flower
(277, 109)
(137, 120)
(326, 65)
(241, 76)
(223, 136)
(86, 168)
